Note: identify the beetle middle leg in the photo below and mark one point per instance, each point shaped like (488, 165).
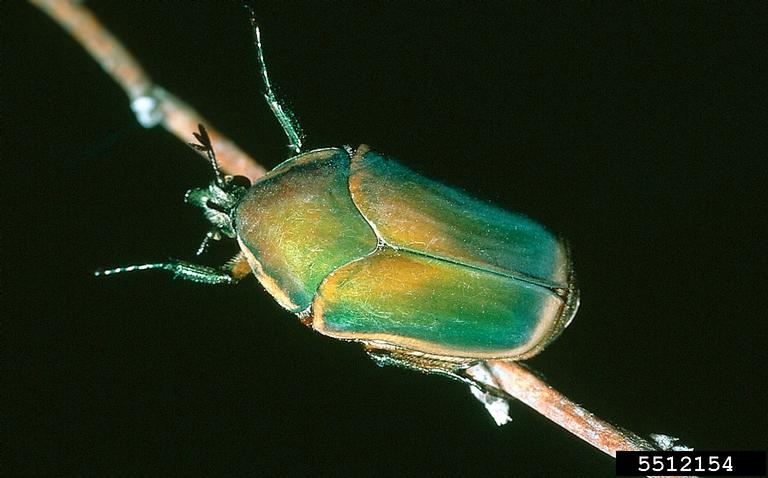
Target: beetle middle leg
(486, 391)
(421, 363)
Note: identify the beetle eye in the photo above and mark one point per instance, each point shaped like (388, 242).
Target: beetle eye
(212, 205)
(241, 181)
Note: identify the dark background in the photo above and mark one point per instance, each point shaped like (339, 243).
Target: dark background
(637, 132)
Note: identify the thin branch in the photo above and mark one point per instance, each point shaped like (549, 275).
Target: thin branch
(520, 383)
(151, 103)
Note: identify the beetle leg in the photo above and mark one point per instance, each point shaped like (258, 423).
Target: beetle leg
(494, 401)
(411, 361)
(234, 270)
(238, 267)
(485, 388)
(181, 269)
(284, 116)
(204, 244)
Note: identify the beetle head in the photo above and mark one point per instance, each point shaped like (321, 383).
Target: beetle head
(220, 198)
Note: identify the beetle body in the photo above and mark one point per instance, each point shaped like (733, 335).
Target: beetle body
(364, 249)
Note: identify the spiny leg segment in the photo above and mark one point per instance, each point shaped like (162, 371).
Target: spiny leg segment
(284, 116)
(233, 270)
(181, 269)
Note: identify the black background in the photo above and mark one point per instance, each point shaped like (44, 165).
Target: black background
(637, 132)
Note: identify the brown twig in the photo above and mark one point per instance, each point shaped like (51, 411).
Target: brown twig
(520, 383)
(151, 103)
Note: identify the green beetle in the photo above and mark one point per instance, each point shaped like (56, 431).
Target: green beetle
(363, 249)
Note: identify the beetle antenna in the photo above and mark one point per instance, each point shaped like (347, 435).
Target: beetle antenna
(204, 144)
(285, 117)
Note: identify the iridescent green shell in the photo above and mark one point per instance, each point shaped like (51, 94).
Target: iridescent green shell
(365, 249)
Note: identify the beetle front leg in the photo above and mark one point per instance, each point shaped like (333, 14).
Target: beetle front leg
(233, 271)
(181, 269)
